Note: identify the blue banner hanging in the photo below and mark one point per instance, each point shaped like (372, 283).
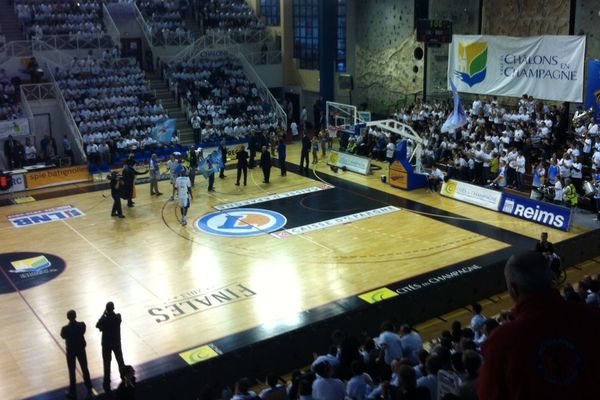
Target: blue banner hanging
(592, 97)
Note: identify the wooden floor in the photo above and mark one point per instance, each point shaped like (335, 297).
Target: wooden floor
(147, 261)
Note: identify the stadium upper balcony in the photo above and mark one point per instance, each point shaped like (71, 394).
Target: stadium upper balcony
(108, 95)
(65, 24)
(233, 17)
(164, 23)
(218, 95)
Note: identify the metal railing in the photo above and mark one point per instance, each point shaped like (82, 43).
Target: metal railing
(48, 48)
(71, 124)
(142, 21)
(26, 107)
(50, 91)
(55, 57)
(111, 27)
(219, 42)
(159, 38)
(206, 42)
(264, 57)
(263, 90)
(78, 42)
(246, 35)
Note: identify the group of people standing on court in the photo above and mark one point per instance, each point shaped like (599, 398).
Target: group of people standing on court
(182, 171)
(109, 325)
(265, 161)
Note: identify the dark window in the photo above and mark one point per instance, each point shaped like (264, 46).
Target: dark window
(306, 33)
(269, 9)
(340, 60)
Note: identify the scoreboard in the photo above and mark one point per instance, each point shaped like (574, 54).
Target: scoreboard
(434, 30)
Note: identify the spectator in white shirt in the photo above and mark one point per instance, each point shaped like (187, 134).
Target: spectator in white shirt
(521, 162)
(390, 343)
(390, 149)
(359, 386)
(558, 191)
(330, 358)
(429, 381)
(104, 152)
(275, 388)
(435, 178)
(325, 387)
(477, 320)
(30, 152)
(412, 344)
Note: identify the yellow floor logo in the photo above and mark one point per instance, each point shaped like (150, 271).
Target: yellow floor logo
(378, 295)
(31, 264)
(23, 200)
(200, 354)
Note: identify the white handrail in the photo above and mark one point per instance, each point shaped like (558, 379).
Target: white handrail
(170, 39)
(111, 27)
(263, 89)
(216, 41)
(264, 58)
(27, 110)
(142, 21)
(74, 128)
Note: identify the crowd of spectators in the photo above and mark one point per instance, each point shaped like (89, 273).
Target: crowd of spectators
(112, 105)
(228, 16)
(508, 356)
(500, 145)
(221, 102)
(166, 21)
(393, 365)
(9, 98)
(81, 18)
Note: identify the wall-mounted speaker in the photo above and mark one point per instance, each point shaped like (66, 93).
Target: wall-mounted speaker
(345, 82)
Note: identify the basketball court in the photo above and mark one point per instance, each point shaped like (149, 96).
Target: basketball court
(252, 259)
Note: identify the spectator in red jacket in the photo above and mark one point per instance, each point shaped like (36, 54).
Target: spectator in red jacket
(550, 349)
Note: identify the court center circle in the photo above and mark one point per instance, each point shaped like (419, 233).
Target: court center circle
(241, 222)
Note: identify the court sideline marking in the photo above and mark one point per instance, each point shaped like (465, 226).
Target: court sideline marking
(54, 339)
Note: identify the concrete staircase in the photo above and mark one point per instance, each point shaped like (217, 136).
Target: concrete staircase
(171, 104)
(9, 22)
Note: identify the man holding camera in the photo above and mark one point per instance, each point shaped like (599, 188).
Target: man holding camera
(115, 192)
(110, 326)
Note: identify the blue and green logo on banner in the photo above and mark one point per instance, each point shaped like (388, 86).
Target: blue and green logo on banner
(473, 57)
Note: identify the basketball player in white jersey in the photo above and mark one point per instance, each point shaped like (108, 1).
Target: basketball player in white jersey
(183, 185)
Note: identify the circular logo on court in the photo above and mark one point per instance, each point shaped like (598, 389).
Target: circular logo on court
(241, 222)
(20, 271)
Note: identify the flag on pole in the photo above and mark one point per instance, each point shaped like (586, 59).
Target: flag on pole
(163, 130)
(458, 117)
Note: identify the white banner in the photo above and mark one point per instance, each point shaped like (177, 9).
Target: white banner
(15, 127)
(354, 163)
(545, 67)
(472, 194)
